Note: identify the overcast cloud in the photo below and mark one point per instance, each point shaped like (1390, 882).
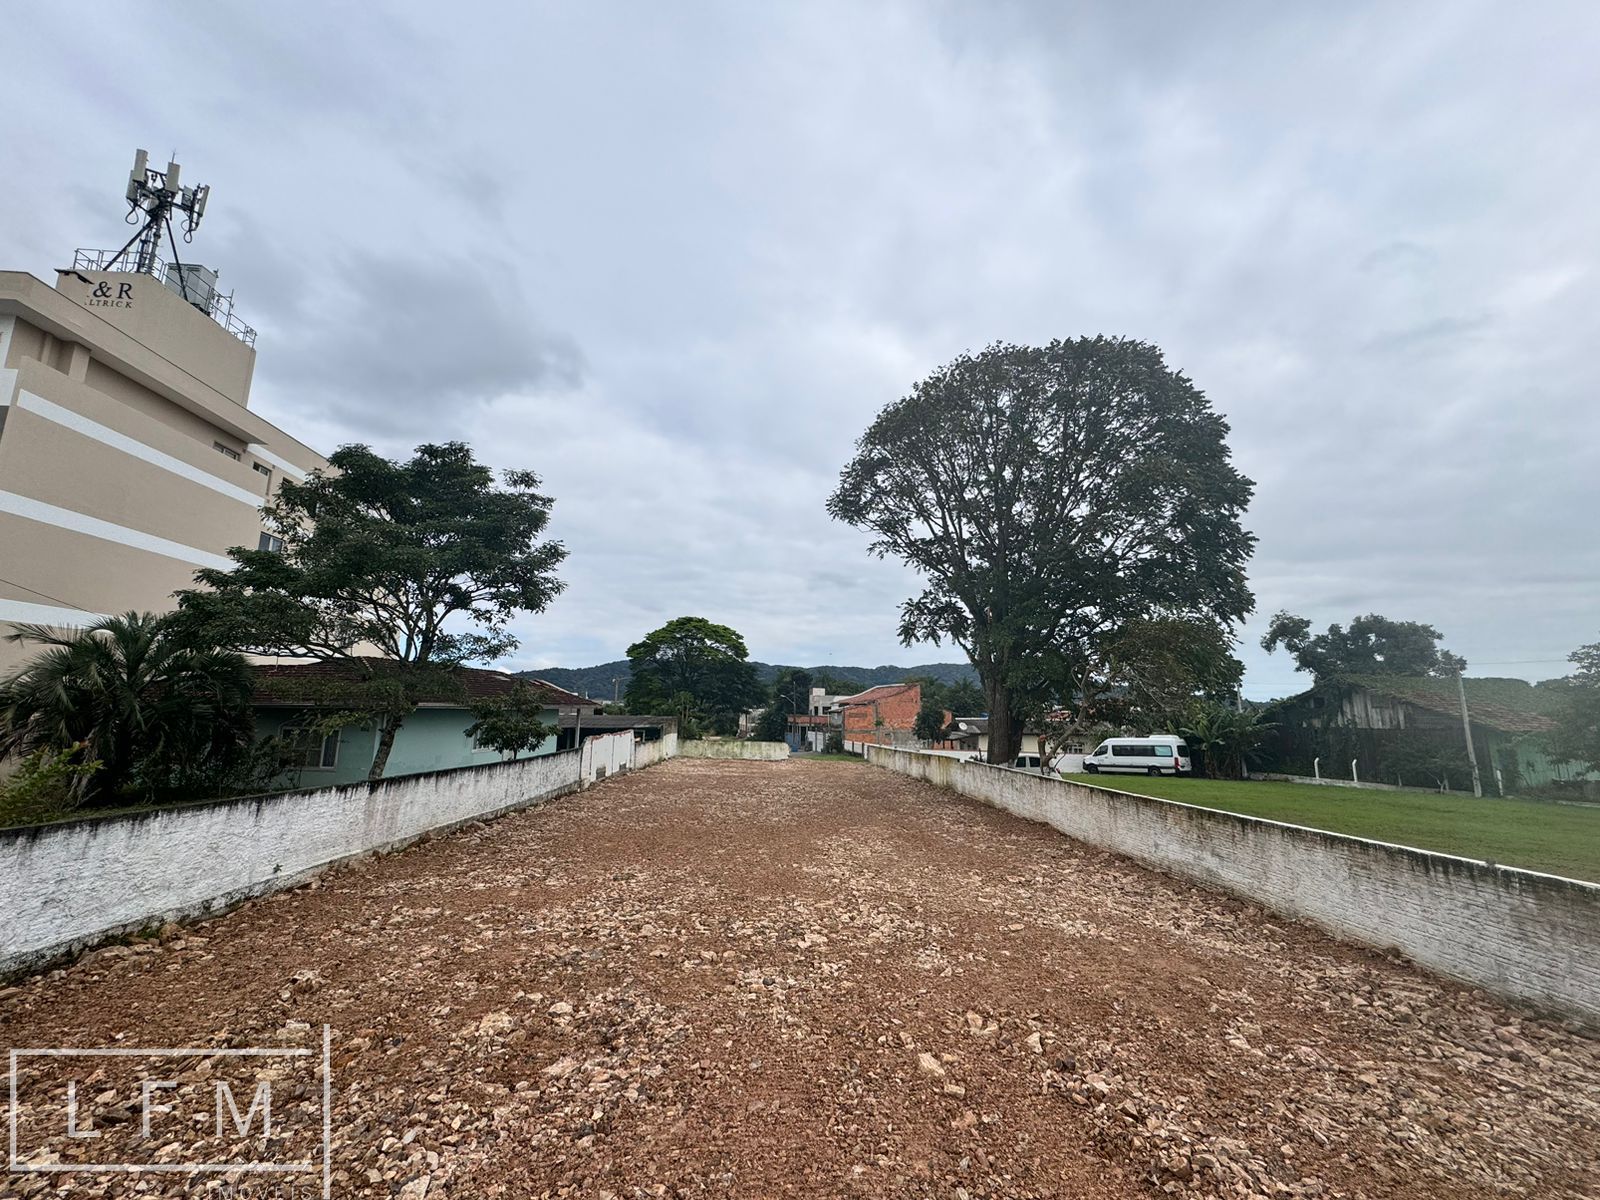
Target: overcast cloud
(675, 257)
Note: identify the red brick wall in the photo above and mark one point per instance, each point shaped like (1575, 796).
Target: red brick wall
(897, 712)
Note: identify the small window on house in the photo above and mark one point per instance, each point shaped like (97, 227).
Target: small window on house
(263, 468)
(310, 753)
(228, 450)
(269, 541)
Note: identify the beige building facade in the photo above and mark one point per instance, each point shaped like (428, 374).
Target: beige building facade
(129, 456)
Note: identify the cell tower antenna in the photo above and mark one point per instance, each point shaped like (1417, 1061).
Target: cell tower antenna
(154, 197)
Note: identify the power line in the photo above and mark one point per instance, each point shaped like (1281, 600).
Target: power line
(41, 595)
(1517, 662)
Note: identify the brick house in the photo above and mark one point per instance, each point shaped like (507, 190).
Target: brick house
(886, 713)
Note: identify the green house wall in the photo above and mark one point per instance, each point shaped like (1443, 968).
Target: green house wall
(432, 739)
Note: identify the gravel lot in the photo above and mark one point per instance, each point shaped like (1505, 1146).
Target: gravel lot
(821, 980)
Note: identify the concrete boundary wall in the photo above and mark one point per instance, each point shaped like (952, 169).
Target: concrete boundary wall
(1363, 785)
(66, 886)
(1526, 936)
(752, 751)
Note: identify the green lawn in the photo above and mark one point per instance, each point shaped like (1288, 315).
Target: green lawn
(1557, 838)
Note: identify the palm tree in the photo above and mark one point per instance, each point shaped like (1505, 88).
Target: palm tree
(160, 713)
(1224, 736)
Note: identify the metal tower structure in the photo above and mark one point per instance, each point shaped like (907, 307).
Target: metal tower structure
(154, 198)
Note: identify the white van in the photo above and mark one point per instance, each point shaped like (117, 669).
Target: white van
(1158, 754)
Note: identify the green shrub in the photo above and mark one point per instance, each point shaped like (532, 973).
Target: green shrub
(48, 785)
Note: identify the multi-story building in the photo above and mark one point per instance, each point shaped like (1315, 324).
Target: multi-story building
(128, 452)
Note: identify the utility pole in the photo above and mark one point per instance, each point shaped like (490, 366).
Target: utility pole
(1466, 729)
(615, 679)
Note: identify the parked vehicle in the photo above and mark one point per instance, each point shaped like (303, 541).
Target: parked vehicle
(1066, 763)
(1158, 754)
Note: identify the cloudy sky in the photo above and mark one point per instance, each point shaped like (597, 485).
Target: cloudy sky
(674, 257)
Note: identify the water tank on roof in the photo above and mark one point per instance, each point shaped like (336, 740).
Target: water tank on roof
(196, 284)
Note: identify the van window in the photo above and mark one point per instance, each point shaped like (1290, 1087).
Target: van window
(1183, 751)
(1100, 751)
(1125, 751)
(1163, 751)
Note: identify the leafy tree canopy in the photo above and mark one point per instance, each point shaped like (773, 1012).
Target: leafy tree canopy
(1049, 496)
(423, 562)
(697, 659)
(1577, 736)
(1372, 645)
(961, 699)
(789, 694)
(510, 724)
(1150, 672)
(162, 716)
(1225, 737)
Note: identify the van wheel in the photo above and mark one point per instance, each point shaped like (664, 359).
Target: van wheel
(1091, 768)
(1155, 770)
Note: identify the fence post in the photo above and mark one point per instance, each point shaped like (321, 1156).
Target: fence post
(1355, 776)
(1316, 768)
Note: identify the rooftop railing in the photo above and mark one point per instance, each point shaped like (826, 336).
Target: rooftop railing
(217, 305)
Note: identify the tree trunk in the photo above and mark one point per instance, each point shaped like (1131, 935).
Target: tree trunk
(380, 760)
(1004, 741)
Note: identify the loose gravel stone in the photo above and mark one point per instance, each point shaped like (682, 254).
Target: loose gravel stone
(820, 980)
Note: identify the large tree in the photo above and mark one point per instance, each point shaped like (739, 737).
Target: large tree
(962, 698)
(406, 569)
(695, 666)
(1151, 672)
(162, 715)
(1372, 645)
(1050, 496)
(789, 695)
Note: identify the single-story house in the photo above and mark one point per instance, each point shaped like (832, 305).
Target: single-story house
(1407, 730)
(293, 695)
(963, 733)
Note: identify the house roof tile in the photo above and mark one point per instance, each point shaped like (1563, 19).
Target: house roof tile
(883, 691)
(334, 681)
(1509, 705)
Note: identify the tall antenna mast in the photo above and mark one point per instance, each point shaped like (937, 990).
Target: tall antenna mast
(153, 199)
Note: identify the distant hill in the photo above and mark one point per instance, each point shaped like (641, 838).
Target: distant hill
(596, 681)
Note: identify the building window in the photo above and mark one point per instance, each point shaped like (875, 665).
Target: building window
(270, 541)
(263, 468)
(228, 450)
(311, 754)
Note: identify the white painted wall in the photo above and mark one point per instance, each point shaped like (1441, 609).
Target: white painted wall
(65, 886)
(1530, 937)
(758, 751)
(647, 753)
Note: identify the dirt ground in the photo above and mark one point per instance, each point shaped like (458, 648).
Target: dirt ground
(823, 980)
